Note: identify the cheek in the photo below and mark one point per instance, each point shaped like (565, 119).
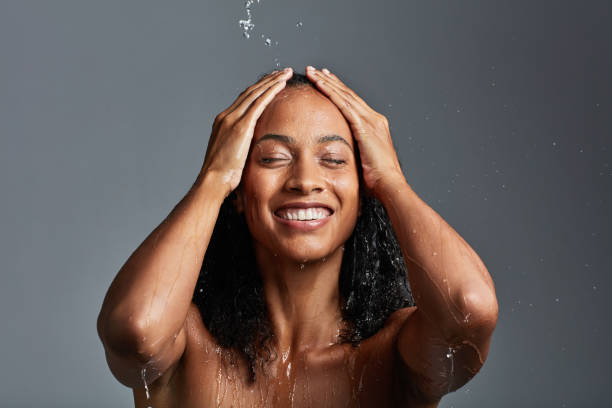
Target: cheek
(347, 189)
(258, 187)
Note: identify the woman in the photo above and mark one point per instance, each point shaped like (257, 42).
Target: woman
(301, 298)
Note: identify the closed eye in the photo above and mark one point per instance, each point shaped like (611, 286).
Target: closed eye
(335, 161)
(268, 160)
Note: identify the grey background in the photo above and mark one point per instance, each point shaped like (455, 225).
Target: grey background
(500, 112)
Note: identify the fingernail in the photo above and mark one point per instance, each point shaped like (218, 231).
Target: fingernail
(309, 68)
(325, 71)
(287, 69)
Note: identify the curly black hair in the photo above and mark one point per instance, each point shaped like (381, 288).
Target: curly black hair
(229, 293)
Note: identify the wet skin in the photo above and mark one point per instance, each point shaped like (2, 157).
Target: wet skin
(302, 151)
(280, 150)
(332, 376)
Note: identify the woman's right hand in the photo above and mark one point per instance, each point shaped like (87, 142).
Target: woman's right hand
(233, 130)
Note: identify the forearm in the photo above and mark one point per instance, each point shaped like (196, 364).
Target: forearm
(148, 300)
(448, 279)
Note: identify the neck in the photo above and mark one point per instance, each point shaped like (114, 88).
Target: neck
(303, 299)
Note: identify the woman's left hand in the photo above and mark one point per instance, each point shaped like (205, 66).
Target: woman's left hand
(370, 130)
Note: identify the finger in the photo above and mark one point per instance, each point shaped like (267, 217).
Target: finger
(325, 74)
(266, 79)
(255, 109)
(346, 96)
(257, 85)
(351, 111)
(264, 82)
(255, 95)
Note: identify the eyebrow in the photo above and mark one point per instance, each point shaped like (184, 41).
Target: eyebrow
(290, 140)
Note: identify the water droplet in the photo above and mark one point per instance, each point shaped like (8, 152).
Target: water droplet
(435, 253)
(554, 143)
(299, 24)
(556, 299)
(268, 42)
(492, 83)
(144, 381)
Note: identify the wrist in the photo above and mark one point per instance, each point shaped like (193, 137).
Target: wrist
(389, 186)
(213, 184)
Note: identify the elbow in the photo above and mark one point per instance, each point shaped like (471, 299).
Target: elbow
(479, 309)
(125, 338)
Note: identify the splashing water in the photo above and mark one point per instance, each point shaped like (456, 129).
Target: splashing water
(144, 381)
(247, 25)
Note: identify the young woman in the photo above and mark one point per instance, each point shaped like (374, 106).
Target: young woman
(286, 275)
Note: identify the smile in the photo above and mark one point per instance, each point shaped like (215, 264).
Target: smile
(303, 214)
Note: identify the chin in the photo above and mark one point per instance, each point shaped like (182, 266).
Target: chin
(306, 253)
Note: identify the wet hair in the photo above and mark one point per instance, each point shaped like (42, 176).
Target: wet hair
(229, 292)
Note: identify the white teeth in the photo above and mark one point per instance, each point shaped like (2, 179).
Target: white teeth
(303, 214)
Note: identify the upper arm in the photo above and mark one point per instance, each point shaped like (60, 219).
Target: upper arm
(437, 365)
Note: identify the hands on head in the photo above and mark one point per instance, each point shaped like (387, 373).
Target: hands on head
(233, 130)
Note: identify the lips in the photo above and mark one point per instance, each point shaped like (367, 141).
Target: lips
(302, 211)
(303, 216)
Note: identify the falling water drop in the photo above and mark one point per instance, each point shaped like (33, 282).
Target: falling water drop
(451, 356)
(299, 24)
(268, 42)
(144, 381)
(247, 25)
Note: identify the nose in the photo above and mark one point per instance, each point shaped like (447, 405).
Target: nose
(305, 177)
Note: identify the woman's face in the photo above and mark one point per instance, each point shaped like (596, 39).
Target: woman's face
(300, 188)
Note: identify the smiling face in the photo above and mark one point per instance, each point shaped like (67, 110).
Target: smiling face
(300, 187)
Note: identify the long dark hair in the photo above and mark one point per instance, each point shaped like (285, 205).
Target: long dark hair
(229, 293)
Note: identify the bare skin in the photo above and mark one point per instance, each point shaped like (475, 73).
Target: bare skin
(152, 331)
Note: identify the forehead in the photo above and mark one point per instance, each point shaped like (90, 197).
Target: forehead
(304, 114)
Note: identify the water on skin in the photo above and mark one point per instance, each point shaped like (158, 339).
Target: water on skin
(451, 355)
(143, 373)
